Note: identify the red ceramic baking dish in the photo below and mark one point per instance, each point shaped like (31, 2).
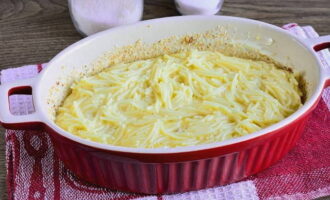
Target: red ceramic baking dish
(178, 169)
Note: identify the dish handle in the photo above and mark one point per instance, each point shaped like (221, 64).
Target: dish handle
(7, 119)
(319, 44)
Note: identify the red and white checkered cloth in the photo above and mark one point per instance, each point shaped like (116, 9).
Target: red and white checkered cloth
(34, 171)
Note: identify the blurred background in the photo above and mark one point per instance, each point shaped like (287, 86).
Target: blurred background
(33, 31)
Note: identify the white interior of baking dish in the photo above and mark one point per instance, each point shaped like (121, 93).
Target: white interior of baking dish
(90, 53)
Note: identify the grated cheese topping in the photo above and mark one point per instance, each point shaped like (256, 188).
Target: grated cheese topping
(183, 99)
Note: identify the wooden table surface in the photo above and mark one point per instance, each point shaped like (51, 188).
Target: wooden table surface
(33, 31)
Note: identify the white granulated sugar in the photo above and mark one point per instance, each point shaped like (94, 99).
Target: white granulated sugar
(91, 16)
(199, 7)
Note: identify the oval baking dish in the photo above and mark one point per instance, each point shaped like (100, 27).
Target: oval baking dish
(169, 170)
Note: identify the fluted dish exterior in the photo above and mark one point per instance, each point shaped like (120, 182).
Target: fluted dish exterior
(116, 171)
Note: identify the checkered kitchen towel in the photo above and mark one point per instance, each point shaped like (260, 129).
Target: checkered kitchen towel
(34, 171)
